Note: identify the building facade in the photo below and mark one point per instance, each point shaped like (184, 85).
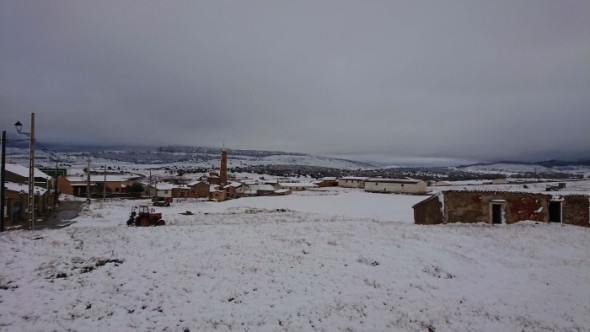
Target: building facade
(495, 207)
(400, 186)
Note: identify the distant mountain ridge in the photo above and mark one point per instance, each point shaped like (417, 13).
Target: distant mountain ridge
(546, 163)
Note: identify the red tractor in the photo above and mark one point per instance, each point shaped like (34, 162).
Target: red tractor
(143, 216)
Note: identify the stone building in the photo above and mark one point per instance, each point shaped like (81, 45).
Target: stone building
(497, 207)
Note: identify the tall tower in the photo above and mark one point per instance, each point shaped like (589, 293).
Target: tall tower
(223, 170)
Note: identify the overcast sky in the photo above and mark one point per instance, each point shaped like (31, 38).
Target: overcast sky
(483, 80)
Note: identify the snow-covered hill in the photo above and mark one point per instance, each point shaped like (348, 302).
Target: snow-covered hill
(510, 169)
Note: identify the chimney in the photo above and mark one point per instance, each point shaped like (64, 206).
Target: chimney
(223, 170)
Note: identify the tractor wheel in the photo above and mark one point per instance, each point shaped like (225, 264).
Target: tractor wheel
(130, 222)
(144, 221)
(161, 222)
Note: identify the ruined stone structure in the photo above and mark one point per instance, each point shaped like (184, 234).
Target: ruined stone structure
(502, 207)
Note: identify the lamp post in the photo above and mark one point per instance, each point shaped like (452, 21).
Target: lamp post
(31, 136)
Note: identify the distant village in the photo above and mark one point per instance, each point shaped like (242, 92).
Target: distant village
(220, 186)
(216, 186)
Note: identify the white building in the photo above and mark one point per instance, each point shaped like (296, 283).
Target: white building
(405, 186)
(161, 189)
(296, 186)
(352, 182)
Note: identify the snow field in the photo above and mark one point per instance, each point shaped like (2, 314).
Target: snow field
(313, 261)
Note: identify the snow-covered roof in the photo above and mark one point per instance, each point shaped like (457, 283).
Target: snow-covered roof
(263, 187)
(329, 178)
(381, 180)
(23, 188)
(164, 186)
(298, 185)
(355, 178)
(24, 171)
(100, 178)
(195, 182)
(233, 185)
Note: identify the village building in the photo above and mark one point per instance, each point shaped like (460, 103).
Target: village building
(217, 193)
(327, 182)
(161, 189)
(399, 186)
(352, 182)
(235, 189)
(17, 194)
(295, 186)
(17, 202)
(181, 192)
(198, 189)
(500, 181)
(77, 185)
(20, 174)
(497, 207)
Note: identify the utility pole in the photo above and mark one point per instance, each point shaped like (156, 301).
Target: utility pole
(88, 182)
(104, 186)
(55, 189)
(31, 194)
(2, 181)
(32, 173)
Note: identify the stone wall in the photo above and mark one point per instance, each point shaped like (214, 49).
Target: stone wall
(576, 210)
(429, 211)
(476, 206)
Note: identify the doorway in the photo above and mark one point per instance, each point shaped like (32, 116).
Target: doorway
(555, 211)
(496, 213)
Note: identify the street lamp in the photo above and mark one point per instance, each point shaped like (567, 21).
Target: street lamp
(31, 135)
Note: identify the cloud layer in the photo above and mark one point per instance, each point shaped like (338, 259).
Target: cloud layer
(454, 79)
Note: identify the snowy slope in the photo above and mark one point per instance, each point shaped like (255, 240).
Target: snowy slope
(313, 261)
(515, 168)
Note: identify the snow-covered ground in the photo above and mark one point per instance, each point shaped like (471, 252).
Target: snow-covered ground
(573, 187)
(325, 260)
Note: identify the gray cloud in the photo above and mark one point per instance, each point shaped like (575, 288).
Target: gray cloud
(453, 79)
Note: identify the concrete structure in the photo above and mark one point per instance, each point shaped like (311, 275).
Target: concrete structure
(400, 186)
(352, 182)
(496, 207)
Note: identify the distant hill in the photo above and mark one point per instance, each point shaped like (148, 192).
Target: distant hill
(547, 163)
(198, 156)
